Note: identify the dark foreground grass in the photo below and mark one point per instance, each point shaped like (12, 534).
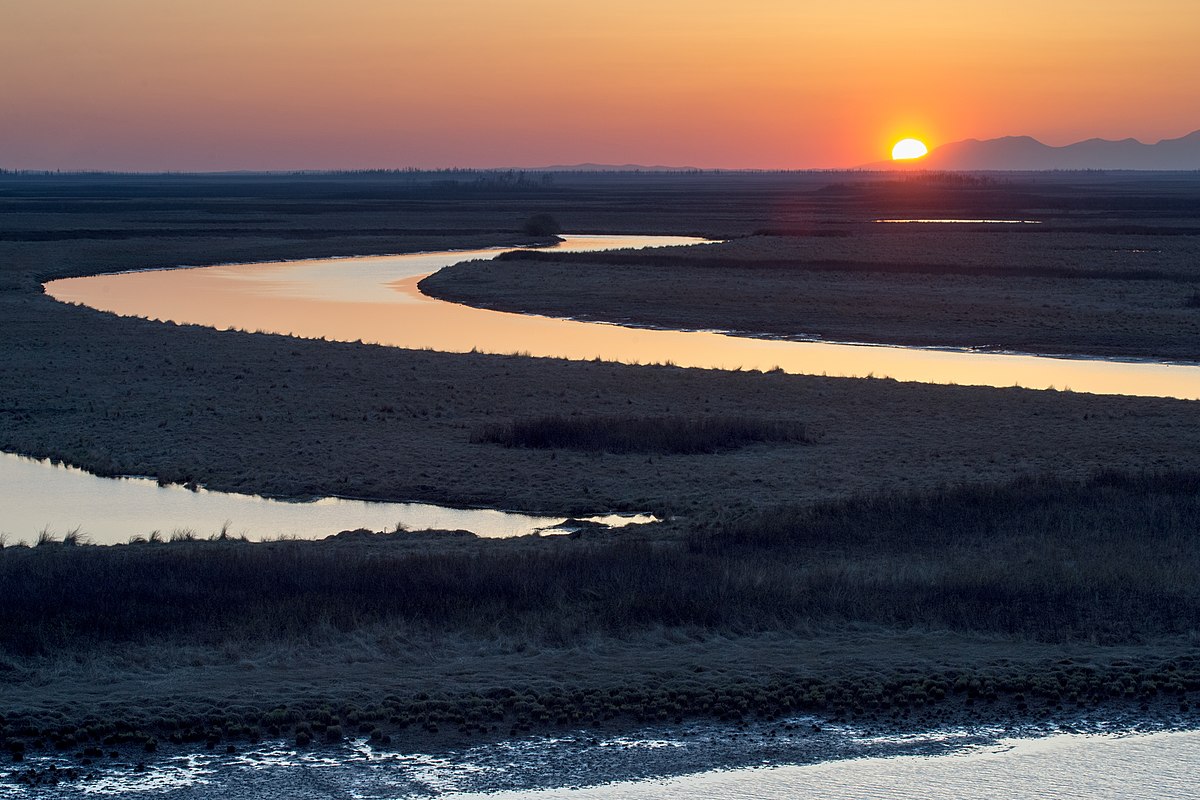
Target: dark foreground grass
(1109, 560)
(613, 434)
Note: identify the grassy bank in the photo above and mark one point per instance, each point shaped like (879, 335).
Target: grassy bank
(1108, 560)
(1063, 690)
(1035, 288)
(1040, 570)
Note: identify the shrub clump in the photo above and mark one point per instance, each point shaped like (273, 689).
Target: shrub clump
(665, 435)
(541, 225)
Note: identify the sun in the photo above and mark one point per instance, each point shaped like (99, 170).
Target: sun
(907, 149)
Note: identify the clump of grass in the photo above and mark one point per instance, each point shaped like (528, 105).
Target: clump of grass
(615, 434)
(224, 534)
(1192, 301)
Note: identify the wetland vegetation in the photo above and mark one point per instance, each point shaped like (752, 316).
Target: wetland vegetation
(613, 434)
(912, 555)
(1033, 289)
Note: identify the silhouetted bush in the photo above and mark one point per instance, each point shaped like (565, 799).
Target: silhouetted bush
(541, 225)
(610, 434)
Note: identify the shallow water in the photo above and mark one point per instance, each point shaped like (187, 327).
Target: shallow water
(842, 764)
(375, 299)
(1139, 767)
(37, 495)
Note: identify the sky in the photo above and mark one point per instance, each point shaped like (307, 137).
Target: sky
(202, 85)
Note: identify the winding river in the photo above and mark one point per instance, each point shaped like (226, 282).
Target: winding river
(375, 299)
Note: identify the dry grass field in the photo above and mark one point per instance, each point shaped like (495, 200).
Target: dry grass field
(848, 572)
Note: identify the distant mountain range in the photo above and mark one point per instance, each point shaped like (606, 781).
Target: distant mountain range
(1014, 153)
(1027, 153)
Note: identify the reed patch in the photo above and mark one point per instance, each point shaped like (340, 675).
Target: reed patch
(664, 434)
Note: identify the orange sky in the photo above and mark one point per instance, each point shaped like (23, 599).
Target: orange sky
(250, 84)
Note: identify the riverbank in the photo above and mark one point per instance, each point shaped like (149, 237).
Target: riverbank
(1031, 290)
(290, 418)
(591, 732)
(973, 606)
(566, 760)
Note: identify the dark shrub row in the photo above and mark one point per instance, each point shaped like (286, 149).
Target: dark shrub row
(612, 434)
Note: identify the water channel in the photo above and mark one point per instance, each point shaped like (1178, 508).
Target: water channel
(39, 496)
(938, 765)
(375, 299)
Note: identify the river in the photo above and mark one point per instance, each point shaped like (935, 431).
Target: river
(375, 299)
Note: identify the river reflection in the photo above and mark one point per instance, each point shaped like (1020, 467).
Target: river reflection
(1065, 767)
(37, 496)
(375, 299)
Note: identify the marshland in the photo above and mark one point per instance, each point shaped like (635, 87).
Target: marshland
(903, 554)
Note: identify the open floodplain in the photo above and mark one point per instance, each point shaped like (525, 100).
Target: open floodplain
(845, 566)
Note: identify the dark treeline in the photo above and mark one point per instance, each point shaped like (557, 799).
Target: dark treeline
(613, 434)
(1108, 560)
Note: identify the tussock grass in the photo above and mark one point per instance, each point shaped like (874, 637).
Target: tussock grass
(1108, 560)
(614, 434)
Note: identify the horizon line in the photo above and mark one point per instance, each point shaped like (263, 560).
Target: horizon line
(597, 169)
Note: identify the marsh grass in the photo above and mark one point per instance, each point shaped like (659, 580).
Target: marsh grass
(616, 434)
(799, 264)
(1108, 560)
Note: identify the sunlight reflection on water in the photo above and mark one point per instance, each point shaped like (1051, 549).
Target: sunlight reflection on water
(375, 299)
(38, 495)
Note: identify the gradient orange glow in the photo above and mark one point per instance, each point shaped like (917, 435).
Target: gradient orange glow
(250, 84)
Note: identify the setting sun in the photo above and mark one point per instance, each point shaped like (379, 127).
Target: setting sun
(906, 149)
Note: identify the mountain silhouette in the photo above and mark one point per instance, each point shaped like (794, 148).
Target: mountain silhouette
(1027, 153)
